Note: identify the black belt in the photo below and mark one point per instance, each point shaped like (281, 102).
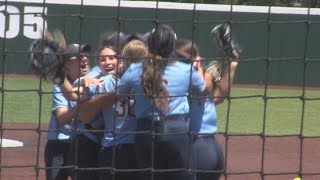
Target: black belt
(89, 127)
(169, 124)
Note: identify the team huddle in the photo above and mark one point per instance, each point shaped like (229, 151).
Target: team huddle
(145, 111)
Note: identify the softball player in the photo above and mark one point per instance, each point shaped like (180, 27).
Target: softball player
(62, 117)
(87, 142)
(161, 87)
(120, 119)
(208, 155)
(88, 155)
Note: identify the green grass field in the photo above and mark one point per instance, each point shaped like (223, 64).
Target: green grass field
(21, 100)
(280, 115)
(246, 114)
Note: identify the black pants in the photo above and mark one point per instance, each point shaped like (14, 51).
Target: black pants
(84, 154)
(120, 157)
(55, 156)
(208, 156)
(171, 155)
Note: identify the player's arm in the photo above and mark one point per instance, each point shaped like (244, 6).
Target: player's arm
(68, 91)
(231, 51)
(198, 83)
(208, 79)
(90, 109)
(205, 76)
(65, 115)
(60, 106)
(78, 90)
(222, 90)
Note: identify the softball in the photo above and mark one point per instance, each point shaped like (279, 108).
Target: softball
(297, 178)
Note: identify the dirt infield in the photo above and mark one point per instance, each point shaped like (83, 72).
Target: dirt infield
(20, 76)
(244, 156)
(21, 162)
(281, 157)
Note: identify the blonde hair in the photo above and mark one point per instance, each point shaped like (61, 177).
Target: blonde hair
(134, 51)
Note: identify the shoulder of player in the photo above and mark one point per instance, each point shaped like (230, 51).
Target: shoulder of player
(94, 72)
(108, 83)
(135, 67)
(183, 67)
(107, 78)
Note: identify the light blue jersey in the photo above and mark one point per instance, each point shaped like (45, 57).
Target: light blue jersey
(97, 123)
(118, 118)
(203, 115)
(94, 72)
(179, 75)
(57, 131)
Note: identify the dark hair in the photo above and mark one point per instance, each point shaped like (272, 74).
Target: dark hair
(162, 41)
(161, 45)
(114, 41)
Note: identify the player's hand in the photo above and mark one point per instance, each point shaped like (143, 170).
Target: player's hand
(87, 81)
(197, 62)
(228, 47)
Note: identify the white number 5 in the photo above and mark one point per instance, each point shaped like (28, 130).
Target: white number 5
(34, 24)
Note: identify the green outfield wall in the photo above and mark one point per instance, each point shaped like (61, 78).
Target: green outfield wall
(280, 45)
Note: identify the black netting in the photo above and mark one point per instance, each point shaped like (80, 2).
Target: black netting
(279, 54)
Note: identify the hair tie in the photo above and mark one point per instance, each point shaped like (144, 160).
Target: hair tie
(157, 57)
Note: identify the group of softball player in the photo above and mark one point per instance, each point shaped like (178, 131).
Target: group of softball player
(145, 111)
